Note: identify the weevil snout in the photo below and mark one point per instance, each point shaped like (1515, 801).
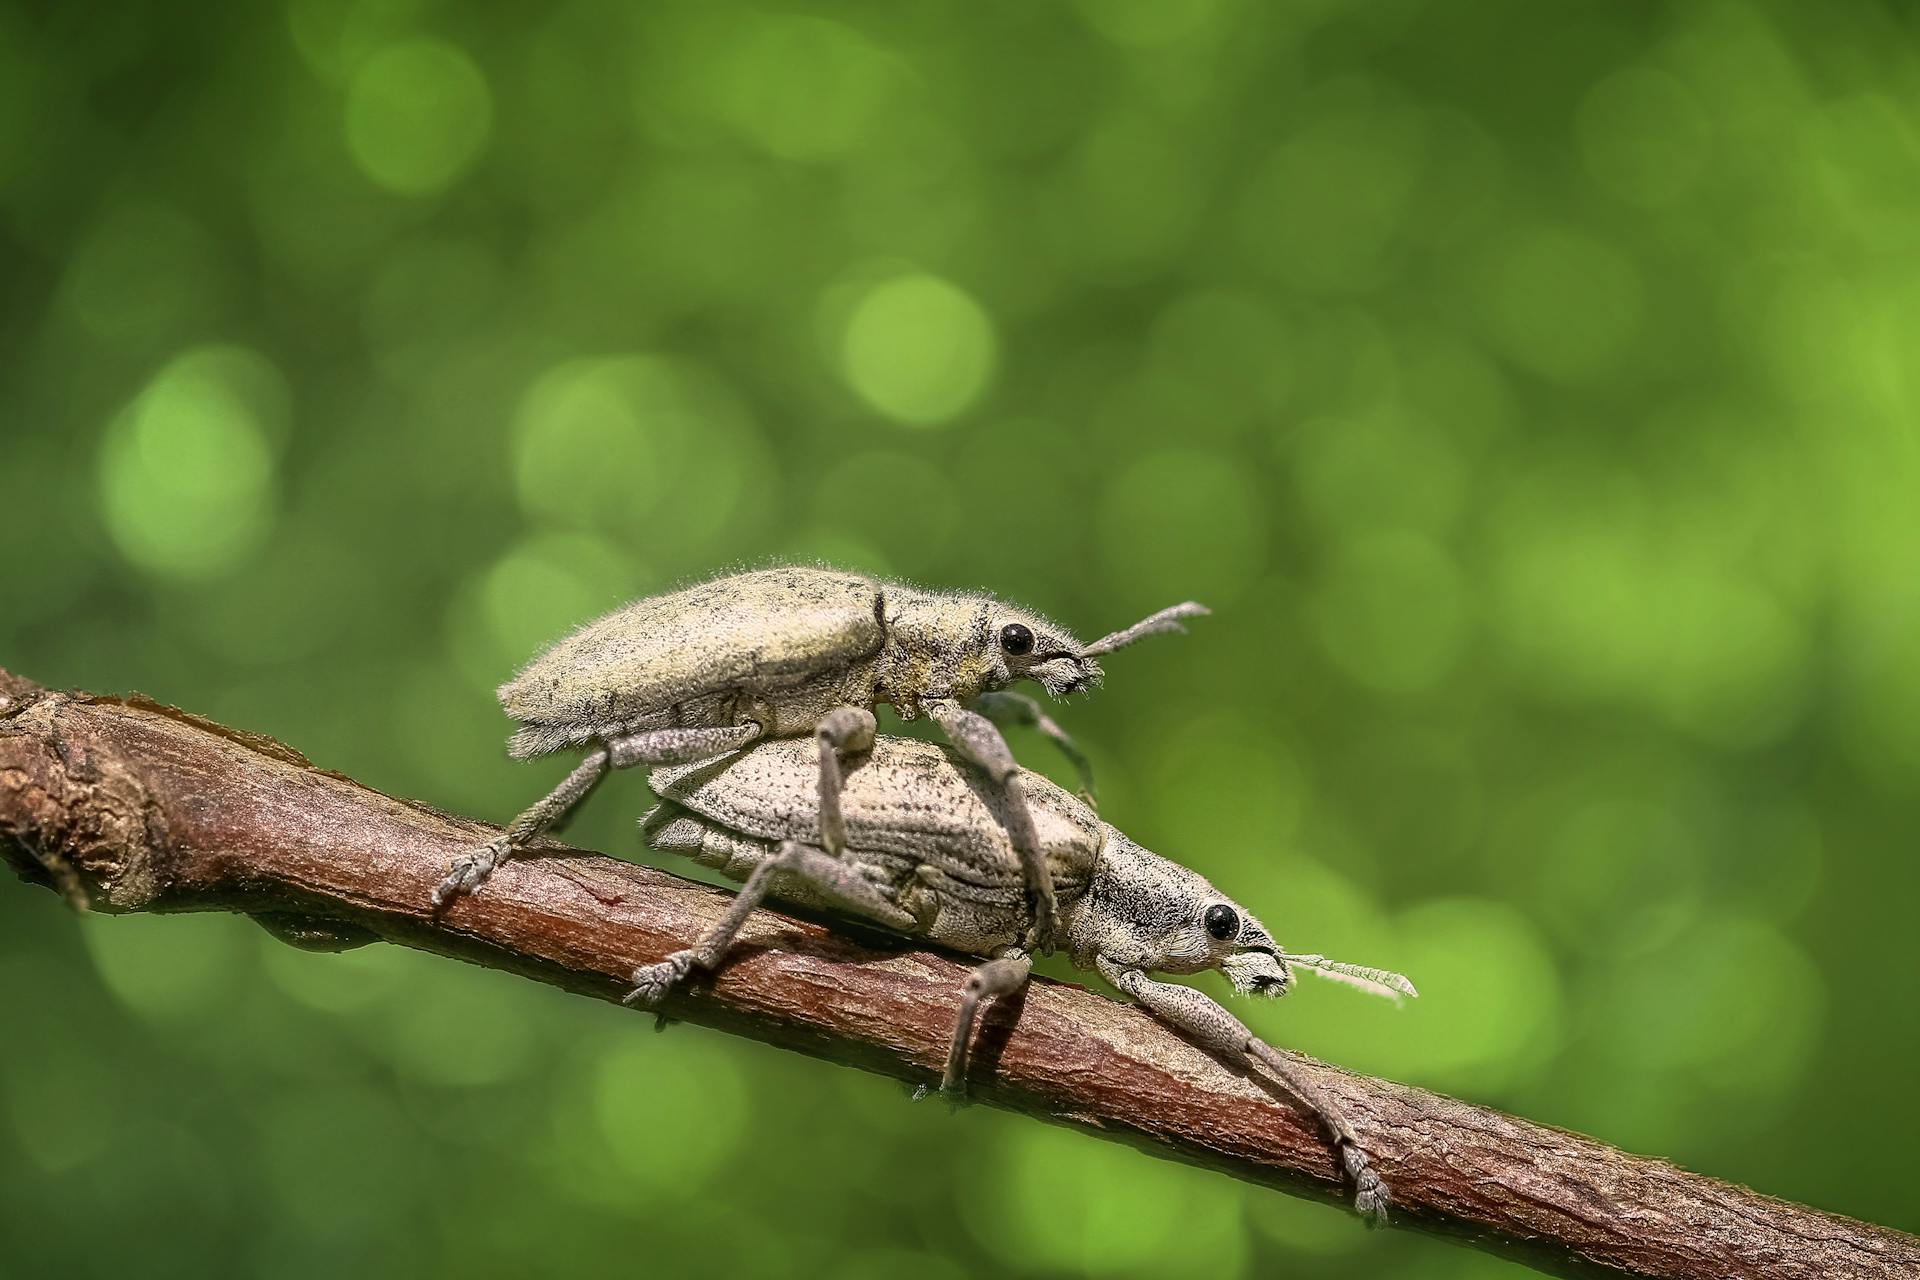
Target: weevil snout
(1032, 648)
(1246, 953)
(1068, 673)
(1258, 973)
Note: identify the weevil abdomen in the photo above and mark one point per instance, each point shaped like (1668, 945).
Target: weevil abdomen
(672, 829)
(910, 801)
(783, 644)
(927, 833)
(735, 855)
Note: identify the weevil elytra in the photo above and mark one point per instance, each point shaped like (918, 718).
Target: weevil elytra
(927, 854)
(790, 652)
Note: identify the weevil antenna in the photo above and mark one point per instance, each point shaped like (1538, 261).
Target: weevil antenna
(1164, 621)
(1379, 982)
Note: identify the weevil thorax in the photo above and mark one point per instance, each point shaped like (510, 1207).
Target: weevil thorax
(1149, 912)
(959, 645)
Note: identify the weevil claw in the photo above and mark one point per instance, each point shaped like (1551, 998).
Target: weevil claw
(1372, 1206)
(954, 1098)
(651, 982)
(1369, 1193)
(470, 870)
(1044, 929)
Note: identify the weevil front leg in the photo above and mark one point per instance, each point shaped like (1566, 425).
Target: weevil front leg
(1003, 975)
(975, 738)
(1004, 707)
(842, 732)
(652, 747)
(1214, 1029)
(839, 883)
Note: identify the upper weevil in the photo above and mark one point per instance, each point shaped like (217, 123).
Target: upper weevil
(793, 651)
(928, 856)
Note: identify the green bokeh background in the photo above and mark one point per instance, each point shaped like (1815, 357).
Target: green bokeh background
(1530, 389)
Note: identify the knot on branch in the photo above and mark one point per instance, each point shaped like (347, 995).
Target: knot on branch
(71, 812)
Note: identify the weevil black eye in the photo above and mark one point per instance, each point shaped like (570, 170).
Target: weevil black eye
(1016, 639)
(1222, 921)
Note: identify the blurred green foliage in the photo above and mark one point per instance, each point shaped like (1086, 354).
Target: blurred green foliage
(1530, 389)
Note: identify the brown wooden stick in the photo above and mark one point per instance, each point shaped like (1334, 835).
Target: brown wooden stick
(140, 807)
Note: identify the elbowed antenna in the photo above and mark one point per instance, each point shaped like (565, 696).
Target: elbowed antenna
(1164, 621)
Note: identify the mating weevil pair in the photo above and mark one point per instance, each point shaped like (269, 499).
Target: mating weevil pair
(963, 849)
(797, 651)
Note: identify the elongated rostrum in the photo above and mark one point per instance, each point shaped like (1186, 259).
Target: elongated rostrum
(798, 651)
(926, 852)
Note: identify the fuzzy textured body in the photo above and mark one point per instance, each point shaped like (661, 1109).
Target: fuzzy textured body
(926, 831)
(783, 653)
(925, 852)
(776, 647)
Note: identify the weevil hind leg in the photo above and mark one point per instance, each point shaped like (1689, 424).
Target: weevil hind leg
(651, 747)
(681, 744)
(1005, 707)
(1198, 1016)
(975, 737)
(834, 882)
(470, 871)
(1001, 976)
(842, 732)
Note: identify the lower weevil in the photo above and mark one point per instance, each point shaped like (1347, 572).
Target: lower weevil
(797, 651)
(926, 853)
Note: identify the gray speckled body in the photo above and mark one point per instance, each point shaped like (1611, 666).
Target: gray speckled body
(925, 829)
(780, 648)
(926, 852)
(777, 653)
(706, 656)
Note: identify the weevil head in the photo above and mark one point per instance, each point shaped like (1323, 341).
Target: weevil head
(1151, 913)
(1032, 648)
(1025, 646)
(958, 645)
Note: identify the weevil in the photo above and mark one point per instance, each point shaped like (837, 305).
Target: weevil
(797, 651)
(927, 854)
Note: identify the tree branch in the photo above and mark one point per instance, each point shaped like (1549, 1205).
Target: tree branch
(135, 806)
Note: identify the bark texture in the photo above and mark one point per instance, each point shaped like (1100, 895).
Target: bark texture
(128, 805)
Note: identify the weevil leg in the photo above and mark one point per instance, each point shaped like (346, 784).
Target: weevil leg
(839, 883)
(1198, 1016)
(1004, 707)
(652, 747)
(974, 737)
(680, 745)
(1003, 975)
(843, 731)
(470, 870)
